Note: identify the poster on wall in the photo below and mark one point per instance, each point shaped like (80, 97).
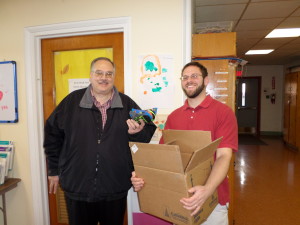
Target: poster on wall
(8, 92)
(156, 81)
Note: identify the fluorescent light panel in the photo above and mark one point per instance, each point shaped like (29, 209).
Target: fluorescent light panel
(259, 52)
(288, 32)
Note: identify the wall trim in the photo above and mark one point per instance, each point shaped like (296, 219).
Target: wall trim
(271, 133)
(33, 74)
(187, 35)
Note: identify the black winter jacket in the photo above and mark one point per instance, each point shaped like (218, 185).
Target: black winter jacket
(92, 164)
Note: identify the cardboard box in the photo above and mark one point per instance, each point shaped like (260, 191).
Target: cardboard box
(170, 169)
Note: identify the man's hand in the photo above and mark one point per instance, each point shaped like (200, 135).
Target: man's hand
(194, 203)
(138, 183)
(134, 127)
(53, 184)
(217, 175)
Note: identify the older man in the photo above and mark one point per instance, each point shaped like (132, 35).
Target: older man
(86, 144)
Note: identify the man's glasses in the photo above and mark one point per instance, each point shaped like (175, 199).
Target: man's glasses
(194, 76)
(101, 74)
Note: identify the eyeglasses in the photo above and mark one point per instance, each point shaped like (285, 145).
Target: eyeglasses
(101, 74)
(194, 76)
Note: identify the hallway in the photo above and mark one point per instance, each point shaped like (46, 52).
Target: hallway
(267, 184)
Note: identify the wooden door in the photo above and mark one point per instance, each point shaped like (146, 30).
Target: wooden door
(297, 133)
(57, 206)
(291, 110)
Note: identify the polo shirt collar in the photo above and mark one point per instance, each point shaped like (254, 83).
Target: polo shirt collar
(206, 102)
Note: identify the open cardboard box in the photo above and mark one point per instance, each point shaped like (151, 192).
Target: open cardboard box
(170, 169)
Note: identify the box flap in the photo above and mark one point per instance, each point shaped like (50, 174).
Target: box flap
(188, 140)
(185, 156)
(203, 154)
(157, 156)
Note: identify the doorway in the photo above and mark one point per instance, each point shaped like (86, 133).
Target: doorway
(248, 105)
(33, 37)
(86, 48)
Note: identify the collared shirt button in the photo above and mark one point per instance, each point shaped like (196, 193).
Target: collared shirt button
(192, 117)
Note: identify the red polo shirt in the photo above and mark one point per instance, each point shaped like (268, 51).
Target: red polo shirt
(214, 116)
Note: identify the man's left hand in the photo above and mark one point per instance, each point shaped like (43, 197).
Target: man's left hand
(134, 127)
(195, 202)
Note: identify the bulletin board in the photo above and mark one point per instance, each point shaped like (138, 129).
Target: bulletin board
(8, 92)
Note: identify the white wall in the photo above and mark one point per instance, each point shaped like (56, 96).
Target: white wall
(271, 114)
(156, 28)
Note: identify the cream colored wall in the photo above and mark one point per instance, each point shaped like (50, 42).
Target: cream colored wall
(271, 114)
(156, 28)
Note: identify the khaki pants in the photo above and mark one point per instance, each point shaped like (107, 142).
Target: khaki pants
(219, 216)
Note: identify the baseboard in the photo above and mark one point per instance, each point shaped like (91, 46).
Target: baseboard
(271, 133)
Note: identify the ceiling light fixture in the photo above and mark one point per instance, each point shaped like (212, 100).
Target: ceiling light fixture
(288, 32)
(259, 52)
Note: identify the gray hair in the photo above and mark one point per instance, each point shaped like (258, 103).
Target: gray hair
(101, 58)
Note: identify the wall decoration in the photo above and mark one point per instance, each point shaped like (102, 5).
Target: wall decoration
(8, 92)
(156, 81)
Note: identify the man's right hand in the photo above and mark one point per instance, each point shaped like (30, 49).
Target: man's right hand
(138, 183)
(53, 184)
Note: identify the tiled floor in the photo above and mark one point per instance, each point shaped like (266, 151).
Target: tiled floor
(267, 184)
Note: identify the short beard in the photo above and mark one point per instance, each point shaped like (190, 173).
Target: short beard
(196, 93)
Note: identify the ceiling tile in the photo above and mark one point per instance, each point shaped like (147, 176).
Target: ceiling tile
(258, 24)
(275, 41)
(291, 46)
(218, 2)
(246, 44)
(256, 59)
(270, 9)
(296, 41)
(283, 52)
(253, 34)
(290, 23)
(296, 13)
(266, 46)
(248, 41)
(297, 54)
(218, 13)
(281, 1)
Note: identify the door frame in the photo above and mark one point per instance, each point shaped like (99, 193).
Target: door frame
(33, 74)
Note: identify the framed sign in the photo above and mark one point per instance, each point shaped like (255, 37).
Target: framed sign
(8, 92)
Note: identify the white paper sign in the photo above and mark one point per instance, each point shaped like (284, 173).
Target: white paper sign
(75, 84)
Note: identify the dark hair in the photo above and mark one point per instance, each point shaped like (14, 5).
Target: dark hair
(200, 66)
(102, 58)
